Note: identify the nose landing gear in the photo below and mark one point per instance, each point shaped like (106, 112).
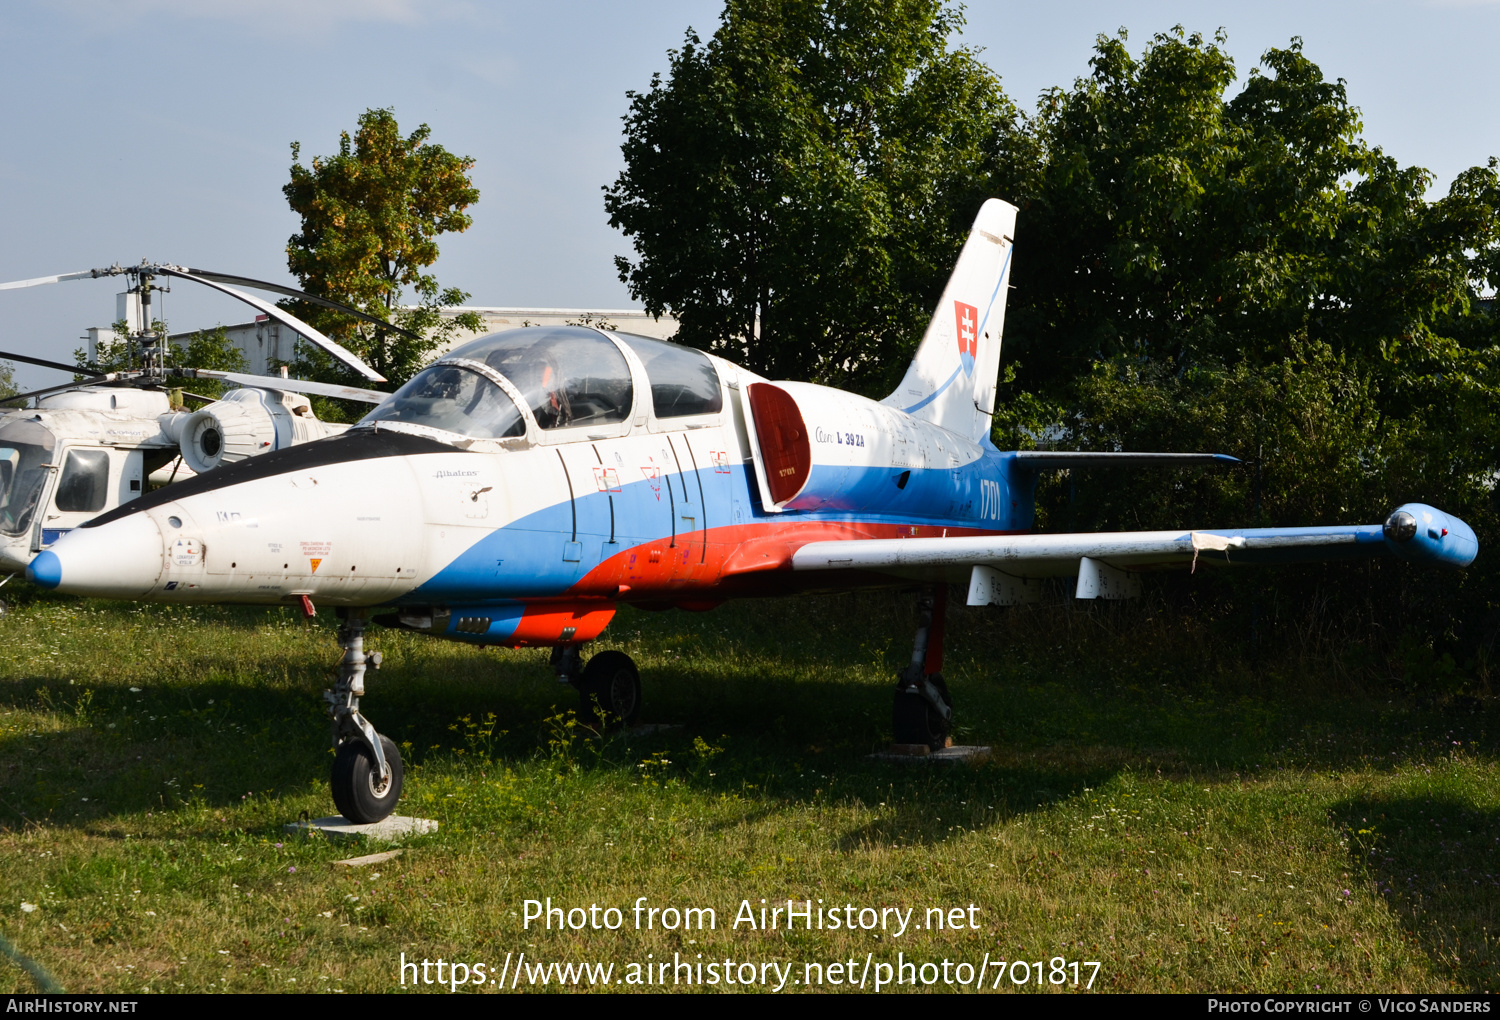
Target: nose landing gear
(366, 779)
(923, 709)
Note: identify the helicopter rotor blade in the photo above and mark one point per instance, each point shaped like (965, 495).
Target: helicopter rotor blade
(106, 379)
(301, 295)
(44, 363)
(282, 316)
(41, 280)
(276, 382)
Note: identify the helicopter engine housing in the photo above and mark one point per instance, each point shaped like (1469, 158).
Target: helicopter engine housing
(247, 422)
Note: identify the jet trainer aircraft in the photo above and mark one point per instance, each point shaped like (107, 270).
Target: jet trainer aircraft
(521, 488)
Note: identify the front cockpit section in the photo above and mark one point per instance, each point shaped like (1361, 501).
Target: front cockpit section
(565, 377)
(454, 397)
(26, 452)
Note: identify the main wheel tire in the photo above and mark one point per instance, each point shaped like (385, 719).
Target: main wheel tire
(612, 685)
(358, 792)
(914, 720)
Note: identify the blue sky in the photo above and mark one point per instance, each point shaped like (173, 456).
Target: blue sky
(161, 128)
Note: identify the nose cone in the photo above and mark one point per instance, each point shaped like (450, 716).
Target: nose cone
(121, 559)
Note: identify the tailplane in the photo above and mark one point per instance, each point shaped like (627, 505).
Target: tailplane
(951, 381)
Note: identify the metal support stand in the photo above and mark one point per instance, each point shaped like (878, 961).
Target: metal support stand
(927, 654)
(343, 700)
(567, 664)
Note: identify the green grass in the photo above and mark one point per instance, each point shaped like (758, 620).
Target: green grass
(1151, 805)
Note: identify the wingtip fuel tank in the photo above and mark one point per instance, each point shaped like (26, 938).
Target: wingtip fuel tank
(1424, 534)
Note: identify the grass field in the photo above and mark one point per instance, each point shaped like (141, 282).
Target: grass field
(1184, 823)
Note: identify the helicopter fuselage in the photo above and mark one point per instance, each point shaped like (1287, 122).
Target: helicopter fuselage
(79, 454)
(83, 452)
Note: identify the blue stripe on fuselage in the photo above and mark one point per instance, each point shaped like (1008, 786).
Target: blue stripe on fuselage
(503, 621)
(525, 559)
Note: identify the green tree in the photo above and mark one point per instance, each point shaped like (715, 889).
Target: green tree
(7, 380)
(211, 349)
(371, 216)
(206, 348)
(798, 187)
(1173, 224)
(1251, 276)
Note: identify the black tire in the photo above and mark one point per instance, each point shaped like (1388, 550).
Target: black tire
(915, 721)
(357, 791)
(610, 684)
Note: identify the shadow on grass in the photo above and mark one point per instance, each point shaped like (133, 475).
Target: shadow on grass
(790, 692)
(108, 751)
(1436, 864)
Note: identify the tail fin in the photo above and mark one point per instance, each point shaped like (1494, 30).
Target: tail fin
(951, 381)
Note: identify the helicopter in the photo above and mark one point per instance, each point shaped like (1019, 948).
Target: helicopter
(522, 487)
(86, 447)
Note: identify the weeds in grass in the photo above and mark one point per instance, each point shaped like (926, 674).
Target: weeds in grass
(1153, 804)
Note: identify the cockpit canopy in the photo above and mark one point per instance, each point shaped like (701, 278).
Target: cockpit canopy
(568, 376)
(683, 381)
(26, 450)
(455, 399)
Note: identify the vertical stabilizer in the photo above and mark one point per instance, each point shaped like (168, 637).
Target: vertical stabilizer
(951, 381)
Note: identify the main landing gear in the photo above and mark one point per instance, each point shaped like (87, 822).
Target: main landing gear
(366, 778)
(609, 687)
(923, 711)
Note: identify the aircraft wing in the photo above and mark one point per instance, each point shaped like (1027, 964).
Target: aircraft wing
(1414, 532)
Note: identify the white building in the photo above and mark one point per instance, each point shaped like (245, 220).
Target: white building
(266, 343)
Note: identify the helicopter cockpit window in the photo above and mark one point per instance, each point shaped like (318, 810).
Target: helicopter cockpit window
(569, 375)
(25, 458)
(683, 381)
(85, 481)
(455, 399)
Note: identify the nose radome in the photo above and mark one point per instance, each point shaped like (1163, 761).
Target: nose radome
(121, 559)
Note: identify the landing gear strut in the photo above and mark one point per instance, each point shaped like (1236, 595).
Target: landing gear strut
(923, 711)
(609, 687)
(366, 780)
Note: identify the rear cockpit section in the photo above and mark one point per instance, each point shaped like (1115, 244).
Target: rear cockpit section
(684, 381)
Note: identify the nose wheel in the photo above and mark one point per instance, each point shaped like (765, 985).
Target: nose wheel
(360, 792)
(366, 779)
